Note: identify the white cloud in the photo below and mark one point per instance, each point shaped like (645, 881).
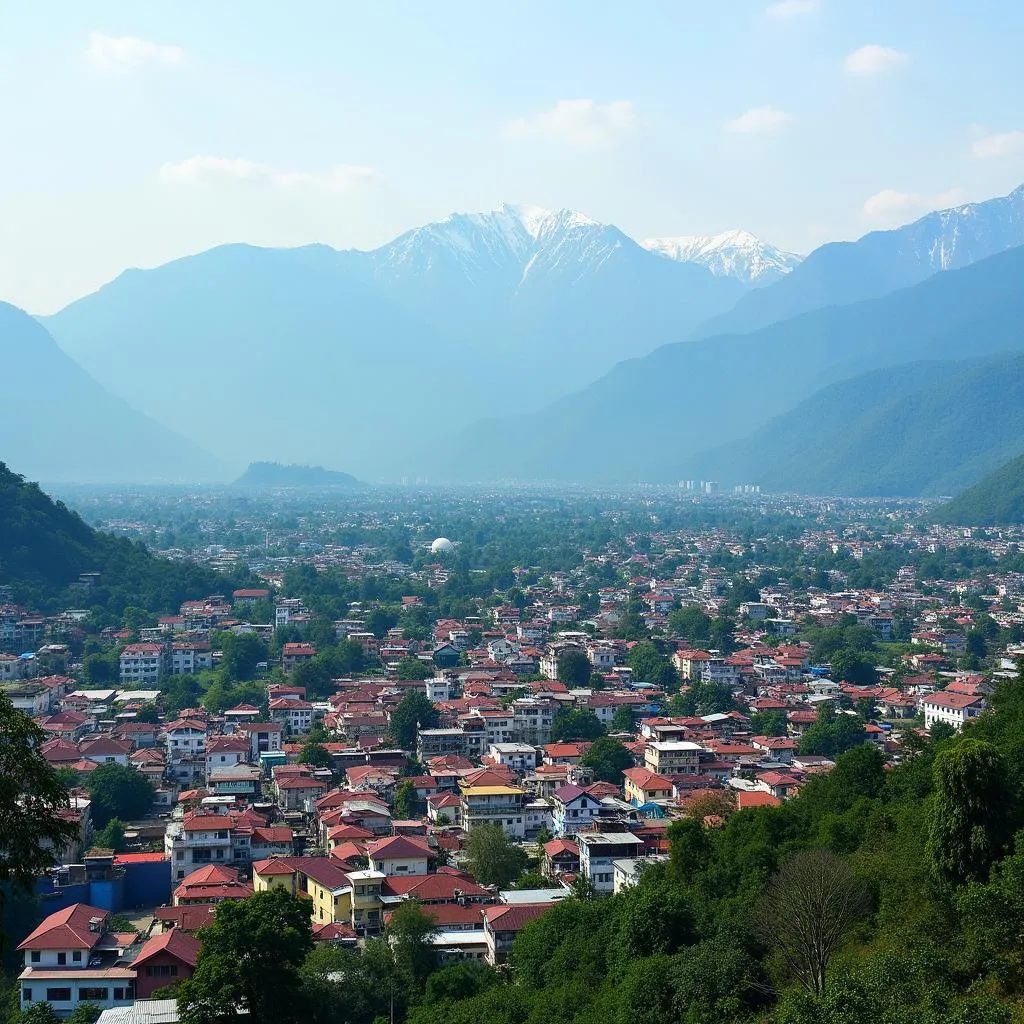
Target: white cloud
(759, 120)
(216, 170)
(874, 60)
(999, 144)
(584, 124)
(119, 54)
(890, 205)
(791, 8)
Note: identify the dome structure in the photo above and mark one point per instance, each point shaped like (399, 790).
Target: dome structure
(441, 546)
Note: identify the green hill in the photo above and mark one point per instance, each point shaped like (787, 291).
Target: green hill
(996, 500)
(44, 547)
(919, 430)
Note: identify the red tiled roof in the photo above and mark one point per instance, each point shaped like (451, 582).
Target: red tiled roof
(176, 942)
(66, 929)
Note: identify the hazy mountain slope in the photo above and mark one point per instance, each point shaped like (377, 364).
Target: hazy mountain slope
(881, 262)
(916, 430)
(648, 417)
(346, 357)
(995, 500)
(61, 425)
(265, 475)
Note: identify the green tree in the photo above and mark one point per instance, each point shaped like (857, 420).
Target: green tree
(609, 759)
(39, 1013)
(85, 1013)
(492, 858)
(575, 724)
(414, 710)
(412, 668)
(768, 723)
(240, 654)
(649, 665)
(316, 755)
(250, 960)
(111, 836)
(118, 791)
(32, 802)
(692, 624)
(970, 823)
(622, 720)
(574, 668)
(832, 734)
(410, 931)
(405, 801)
(851, 666)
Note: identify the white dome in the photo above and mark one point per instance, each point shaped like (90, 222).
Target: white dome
(441, 546)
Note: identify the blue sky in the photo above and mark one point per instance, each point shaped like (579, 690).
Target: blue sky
(135, 133)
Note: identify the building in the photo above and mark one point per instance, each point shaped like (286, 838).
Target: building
(142, 663)
(187, 659)
(575, 810)
(295, 654)
(600, 850)
(672, 757)
(501, 805)
(502, 923)
(295, 715)
(399, 855)
(643, 786)
(520, 757)
(71, 958)
(165, 959)
(952, 708)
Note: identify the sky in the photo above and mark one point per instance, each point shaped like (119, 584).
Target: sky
(136, 133)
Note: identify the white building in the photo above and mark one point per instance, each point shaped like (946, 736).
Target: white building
(600, 850)
(952, 708)
(142, 663)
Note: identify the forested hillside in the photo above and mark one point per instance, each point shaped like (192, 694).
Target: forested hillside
(910, 882)
(44, 547)
(997, 500)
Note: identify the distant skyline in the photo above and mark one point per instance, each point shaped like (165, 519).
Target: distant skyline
(135, 134)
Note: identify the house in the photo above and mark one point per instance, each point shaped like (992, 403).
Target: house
(165, 959)
(71, 958)
(105, 749)
(32, 698)
(561, 856)
(777, 748)
(599, 851)
(213, 883)
(185, 738)
(295, 715)
(502, 923)
(952, 708)
(575, 810)
(142, 663)
(672, 757)
(226, 752)
(188, 659)
(502, 805)
(295, 654)
(264, 737)
(294, 791)
(521, 757)
(643, 786)
(399, 855)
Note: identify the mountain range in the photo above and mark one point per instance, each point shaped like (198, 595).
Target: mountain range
(357, 353)
(533, 344)
(61, 425)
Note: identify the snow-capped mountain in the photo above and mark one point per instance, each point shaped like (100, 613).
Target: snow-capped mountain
(737, 254)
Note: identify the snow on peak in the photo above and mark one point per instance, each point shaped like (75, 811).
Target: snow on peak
(736, 253)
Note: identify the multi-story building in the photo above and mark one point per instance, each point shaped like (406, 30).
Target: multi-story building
(142, 663)
(575, 809)
(71, 958)
(295, 654)
(599, 851)
(531, 720)
(199, 839)
(189, 658)
(672, 757)
(294, 714)
(952, 708)
(500, 805)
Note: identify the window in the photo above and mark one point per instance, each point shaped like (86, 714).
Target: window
(119, 994)
(36, 955)
(76, 956)
(26, 995)
(62, 959)
(58, 995)
(174, 970)
(93, 995)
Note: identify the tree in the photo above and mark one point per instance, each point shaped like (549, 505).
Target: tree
(410, 932)
(405, 800)
(413, 668)
(575, 724)
(851, 666)
(832, 734)
(492, 858)
(111, 836)
(649, 665)
(622, 720)
(692, 624)
(316, 755)
(240, 654)
(85, 1013)
(412, 711)
(249, 961)
(807, 908)
(32, 802)
(768, 723)
(118, 791)
(609, 759)
(380, 620)
(39, 1013)
(970, 823)
(574, 668)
